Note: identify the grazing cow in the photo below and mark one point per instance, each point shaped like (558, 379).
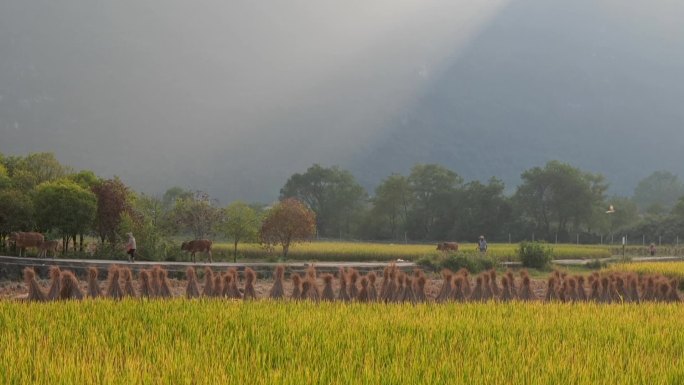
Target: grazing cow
(198, 245)
(48, 246)
(24, 240)
(447, 246)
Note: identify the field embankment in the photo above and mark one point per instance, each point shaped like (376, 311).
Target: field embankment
(358, 251)
(212, 341)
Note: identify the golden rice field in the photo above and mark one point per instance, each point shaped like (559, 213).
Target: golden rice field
(214, 341)
(673, 269)
(359, 251)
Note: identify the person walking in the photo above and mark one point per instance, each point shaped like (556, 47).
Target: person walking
(482, 244)
(130, 247)
(652, 249)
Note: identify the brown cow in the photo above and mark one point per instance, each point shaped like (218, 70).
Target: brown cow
(447, 246)
(23, 240)
(198, 245)
(48, 246)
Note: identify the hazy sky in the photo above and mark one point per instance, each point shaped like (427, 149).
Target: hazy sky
(160, 92)
(234, 96)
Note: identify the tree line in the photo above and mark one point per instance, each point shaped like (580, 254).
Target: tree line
(555, 202)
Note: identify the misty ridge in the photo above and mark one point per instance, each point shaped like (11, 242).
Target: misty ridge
(235, 97)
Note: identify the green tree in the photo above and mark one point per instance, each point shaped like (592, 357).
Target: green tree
(434, 189)
(286, 223)
(64, 207)
(16, 213)
(34, 169)
(85, 178)
(658, 191)
(240, 223)
(5, 181)
(197, 214)
(391, 203)
(678, 209)
(484, 210)
(147, 220)
(333, 194)
(558, 196)
(173, 194)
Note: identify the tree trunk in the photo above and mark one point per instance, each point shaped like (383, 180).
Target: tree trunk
(81, 243)
(74, 239)
(286, 248)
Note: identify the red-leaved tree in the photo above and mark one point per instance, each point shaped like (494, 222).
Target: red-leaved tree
(287, 222)
(112, 201)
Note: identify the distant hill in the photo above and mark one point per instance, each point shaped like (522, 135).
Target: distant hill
(590, 83)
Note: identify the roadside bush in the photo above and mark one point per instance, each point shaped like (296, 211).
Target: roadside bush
(596, 264)
(535, 254)
(454, 262)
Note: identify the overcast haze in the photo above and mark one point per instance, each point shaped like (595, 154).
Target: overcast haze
(234, 96)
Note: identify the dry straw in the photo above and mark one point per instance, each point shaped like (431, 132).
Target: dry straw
(581, 292)
(192, 288)
(328, 293)
(146, 290)
(35, 292)
(277, 291)
(164, 289)
(296, 287)
(486, 287)
(496, 290)
(399, 293)
(155, 281)
(551, 294)
(363, 293)
(250, 278)
(227, 282)
(458, 294)
(113, 288)
(128, 282)
(385, 282)
(477, 294)
(506, 294)
(372, 291)
(353, 277)
(343, 294)
(420, 288)
(511, 282)
(93, 284)
(526, 293)
(70, 289)
(55, 283)
(409, 294)
(208, 289)
(218, 285)
(445, 291)
(233, 291)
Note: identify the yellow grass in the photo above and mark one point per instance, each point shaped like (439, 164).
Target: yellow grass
(214, 341)
(360, 251)
(669, 269)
